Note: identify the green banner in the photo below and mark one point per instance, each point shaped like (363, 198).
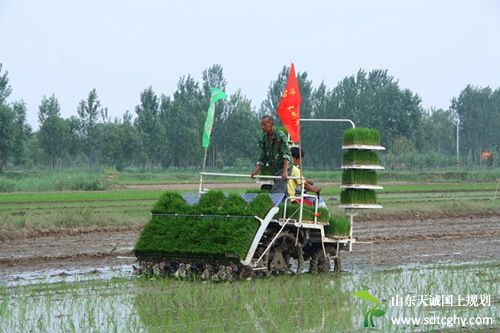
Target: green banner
(215, 95)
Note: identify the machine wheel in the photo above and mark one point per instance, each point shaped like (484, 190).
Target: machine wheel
(336, 269)
(321, 264)
(281, 253)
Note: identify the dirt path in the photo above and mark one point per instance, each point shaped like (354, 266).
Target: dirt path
(253, 184)
(395, 242)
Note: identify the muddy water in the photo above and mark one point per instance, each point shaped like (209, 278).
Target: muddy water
(309, 303)
(383, 243)
(83, 282)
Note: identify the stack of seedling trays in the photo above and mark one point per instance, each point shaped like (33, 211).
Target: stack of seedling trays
(360, 162)
(215, 228)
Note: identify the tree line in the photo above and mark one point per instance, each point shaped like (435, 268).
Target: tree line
(165, 131)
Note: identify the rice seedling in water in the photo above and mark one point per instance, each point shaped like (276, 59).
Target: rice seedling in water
(312, 303)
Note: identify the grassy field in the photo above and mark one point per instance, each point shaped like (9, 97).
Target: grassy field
(85, 180)
(308, 303)
(31, 211)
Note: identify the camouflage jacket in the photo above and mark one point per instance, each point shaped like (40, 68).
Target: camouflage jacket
(274, 150)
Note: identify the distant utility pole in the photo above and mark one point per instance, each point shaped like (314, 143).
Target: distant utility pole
(458, 141)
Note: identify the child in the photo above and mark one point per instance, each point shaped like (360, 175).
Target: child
(297, 153)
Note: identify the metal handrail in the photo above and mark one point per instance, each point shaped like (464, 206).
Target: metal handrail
(238, 175)
(331, 120)
(244, 175)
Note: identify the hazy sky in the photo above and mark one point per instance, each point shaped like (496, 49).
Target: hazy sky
(67, 47)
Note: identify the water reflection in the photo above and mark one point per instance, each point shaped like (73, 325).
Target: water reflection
(307, 303)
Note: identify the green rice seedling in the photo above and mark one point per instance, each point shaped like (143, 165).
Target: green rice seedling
(292, 211)
(305, 303)
(210, 203)
(234, 205)
(358, 176)
(227, 226)
(363, 157)
(351, 196)
(338, 225)
(171, 203)
(361, 136)
(201, 236)
(261, 205)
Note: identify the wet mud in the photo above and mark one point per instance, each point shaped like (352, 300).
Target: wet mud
(381, 243)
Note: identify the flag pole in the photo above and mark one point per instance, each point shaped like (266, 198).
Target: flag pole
(203, 170)
(303, 181)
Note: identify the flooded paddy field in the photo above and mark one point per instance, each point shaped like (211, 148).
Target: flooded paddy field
(66, 265)
(306, 303)
(81, 282)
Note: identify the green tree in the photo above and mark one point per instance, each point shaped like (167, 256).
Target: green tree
(52, 131)
(7, 132)
(185, 123)
(438, 132)
(149, 125)
(89, 112)
(5, 88)
(477, 108)
(14, 132)
(276, 87)
(7, 117)
(375, 100)
(165, 107)
(22, 133)
(74, 143)
(131, 145)
(241, 133)
(321, 141)
(120, 143)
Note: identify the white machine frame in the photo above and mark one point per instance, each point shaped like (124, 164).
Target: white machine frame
(350, 211)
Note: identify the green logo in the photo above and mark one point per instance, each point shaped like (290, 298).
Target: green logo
(373, 312)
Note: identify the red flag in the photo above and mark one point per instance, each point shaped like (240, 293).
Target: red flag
(289, 107)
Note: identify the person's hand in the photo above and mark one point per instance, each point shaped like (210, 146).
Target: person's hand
(284, 176)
